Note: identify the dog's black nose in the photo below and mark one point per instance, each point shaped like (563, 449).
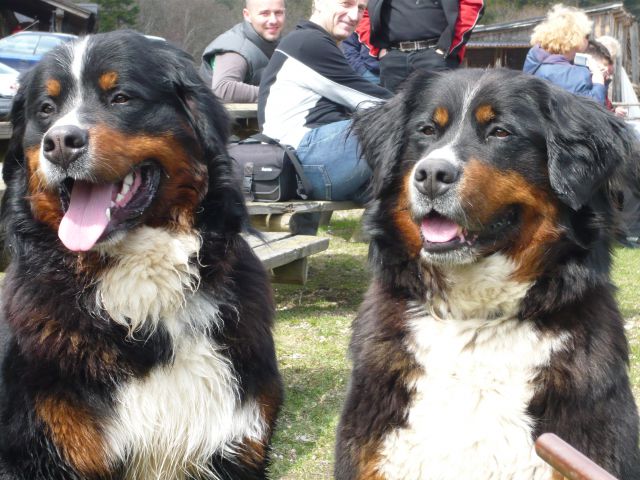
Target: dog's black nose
(434, 176)
(64, 144)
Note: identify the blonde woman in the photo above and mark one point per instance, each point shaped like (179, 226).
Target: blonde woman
(556, 41)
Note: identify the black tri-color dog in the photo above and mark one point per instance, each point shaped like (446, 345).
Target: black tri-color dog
(136, 321)
(491, 316)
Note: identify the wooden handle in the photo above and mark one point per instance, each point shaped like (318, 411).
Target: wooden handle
(568, 461)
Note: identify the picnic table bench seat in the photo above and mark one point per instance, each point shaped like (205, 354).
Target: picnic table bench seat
(286, 254)
(295, 216)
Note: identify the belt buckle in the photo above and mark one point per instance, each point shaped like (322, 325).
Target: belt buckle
(409, 46)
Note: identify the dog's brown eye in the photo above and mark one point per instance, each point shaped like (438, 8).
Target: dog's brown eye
(47, 109)
(500, 133)
(428, 130)
(120, 98)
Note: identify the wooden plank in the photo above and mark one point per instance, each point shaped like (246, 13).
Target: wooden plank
(267, 237)
(290, 249)
(299, 206)
(242, 110)
(295, 272)
(5, 130)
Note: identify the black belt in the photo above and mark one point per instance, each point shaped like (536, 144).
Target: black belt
(413, 45)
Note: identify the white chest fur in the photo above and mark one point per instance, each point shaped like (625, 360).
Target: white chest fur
(169, 423)
(174, 420)
(468, 418)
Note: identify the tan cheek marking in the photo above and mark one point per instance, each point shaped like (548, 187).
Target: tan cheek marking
(76, 434)
(488, 190)
(408, 230)
(185, 183)
(53, 87)
(45, 204)
(108, 81)
(441, 117)
(484, 114)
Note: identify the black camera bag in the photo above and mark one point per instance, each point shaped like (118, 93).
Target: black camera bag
(268, 170)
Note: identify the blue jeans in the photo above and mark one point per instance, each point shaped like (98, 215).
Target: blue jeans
(331, 161)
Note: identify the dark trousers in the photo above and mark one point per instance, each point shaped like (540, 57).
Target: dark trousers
(396, 66)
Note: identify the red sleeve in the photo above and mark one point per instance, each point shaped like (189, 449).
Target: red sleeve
(363, 30)
(470, 12)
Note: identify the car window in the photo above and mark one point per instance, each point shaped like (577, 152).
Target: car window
(23, 45)
(5, 69)
(47, 43)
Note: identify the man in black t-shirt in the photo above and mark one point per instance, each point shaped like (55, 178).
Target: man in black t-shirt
(420, 35)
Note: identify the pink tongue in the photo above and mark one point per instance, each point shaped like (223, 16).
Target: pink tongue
(86, 218)
(439, 230)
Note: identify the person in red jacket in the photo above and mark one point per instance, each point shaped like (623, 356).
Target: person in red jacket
(421, 35)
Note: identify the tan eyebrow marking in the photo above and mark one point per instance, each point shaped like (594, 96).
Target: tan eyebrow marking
(441, 116)
(485, 113)
(53, 87)
(108, 80)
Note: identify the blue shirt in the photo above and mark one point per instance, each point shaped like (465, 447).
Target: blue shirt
(561, 72)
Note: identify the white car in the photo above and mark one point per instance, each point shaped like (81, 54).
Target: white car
(8, 88)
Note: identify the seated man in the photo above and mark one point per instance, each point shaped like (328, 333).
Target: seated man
(234, 61)
(308, 91)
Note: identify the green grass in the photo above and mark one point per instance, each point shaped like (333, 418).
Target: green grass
(312, 334)
(626, 276)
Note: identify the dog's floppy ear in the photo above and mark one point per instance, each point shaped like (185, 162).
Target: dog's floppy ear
(585, 145)
(223, 208)
(381, 129)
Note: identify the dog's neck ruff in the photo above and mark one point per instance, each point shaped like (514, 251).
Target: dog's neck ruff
(153, 271)
(467, 417)
(483, 290)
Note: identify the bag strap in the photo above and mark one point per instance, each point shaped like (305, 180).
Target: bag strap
(304, 187)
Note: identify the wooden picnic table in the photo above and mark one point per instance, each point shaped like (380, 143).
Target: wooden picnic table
(242, 110)
(295, 216)
(244, 118)
(286, 255)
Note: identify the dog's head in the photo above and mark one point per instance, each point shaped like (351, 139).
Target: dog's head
(113, 131)
(475, 162)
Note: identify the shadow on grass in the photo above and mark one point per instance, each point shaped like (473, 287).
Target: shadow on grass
(307, 422)
(335, 281)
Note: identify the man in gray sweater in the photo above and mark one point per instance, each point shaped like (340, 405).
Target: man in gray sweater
(234, 61)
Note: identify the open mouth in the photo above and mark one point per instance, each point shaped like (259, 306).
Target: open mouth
(442, 234)
(93, 211)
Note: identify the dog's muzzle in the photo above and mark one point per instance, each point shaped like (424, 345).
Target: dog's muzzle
(64, 144)
(433, 177)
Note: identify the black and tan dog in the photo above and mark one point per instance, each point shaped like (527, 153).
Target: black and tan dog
(491, 316)
(137, 322)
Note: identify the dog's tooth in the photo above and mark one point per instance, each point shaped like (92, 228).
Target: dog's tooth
(120, 197)
(126, 184)
(108, 213)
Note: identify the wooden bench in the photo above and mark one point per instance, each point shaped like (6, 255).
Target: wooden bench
(286, 255)
(300, 217)
(5, 135)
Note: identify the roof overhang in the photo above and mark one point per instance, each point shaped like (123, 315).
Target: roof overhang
(79, 19)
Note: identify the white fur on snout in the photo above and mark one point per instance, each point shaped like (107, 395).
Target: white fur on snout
(448, 153)
(70, 109)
